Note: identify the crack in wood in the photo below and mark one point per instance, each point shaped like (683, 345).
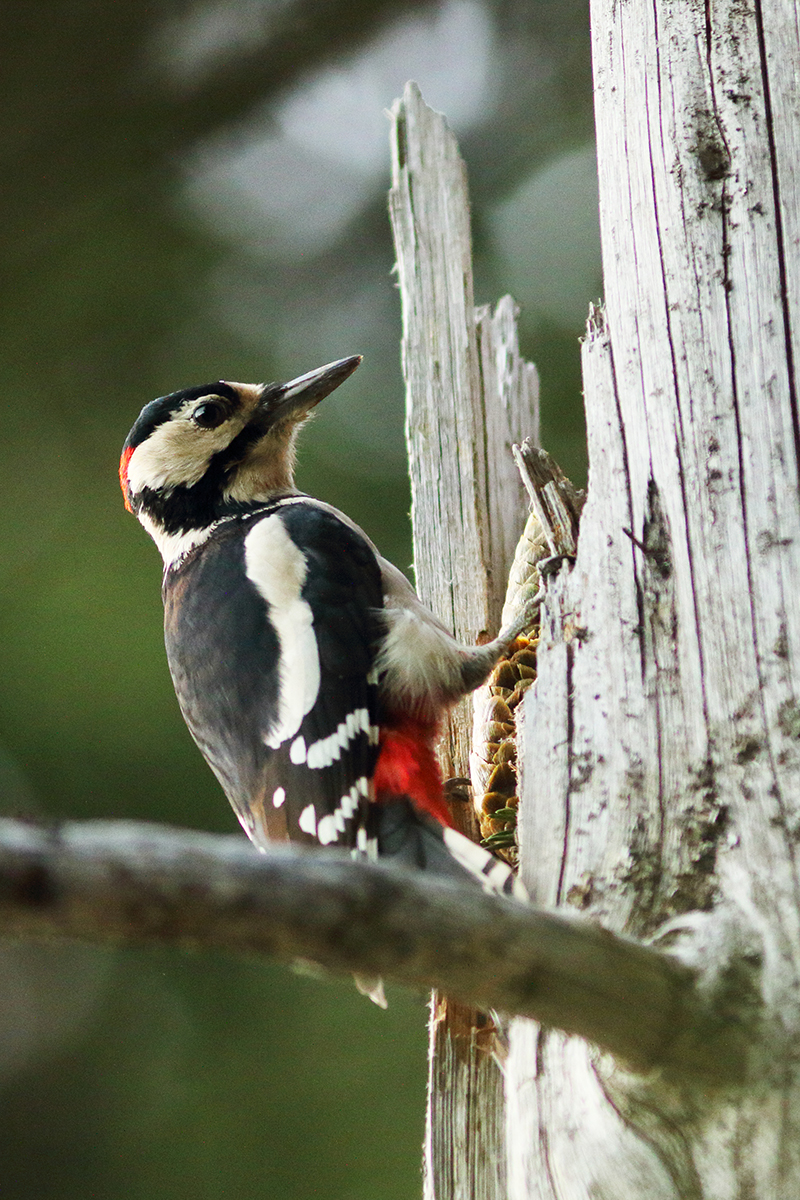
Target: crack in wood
(779, 230)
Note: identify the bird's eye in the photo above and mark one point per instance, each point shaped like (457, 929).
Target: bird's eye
(209, 414)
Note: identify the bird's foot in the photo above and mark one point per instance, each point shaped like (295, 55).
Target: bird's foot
(528, 615)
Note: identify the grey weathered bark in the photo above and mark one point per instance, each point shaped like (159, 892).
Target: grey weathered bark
(469, 397)
(661, 778)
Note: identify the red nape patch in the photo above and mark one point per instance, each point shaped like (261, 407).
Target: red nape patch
(408, 766)
(123, 475)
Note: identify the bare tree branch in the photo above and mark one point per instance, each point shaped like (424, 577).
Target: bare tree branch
(135, 883)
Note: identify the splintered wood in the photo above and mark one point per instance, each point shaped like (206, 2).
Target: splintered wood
(550, 536)
(470, 397)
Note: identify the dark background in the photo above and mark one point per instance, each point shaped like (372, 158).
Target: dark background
(193, 191)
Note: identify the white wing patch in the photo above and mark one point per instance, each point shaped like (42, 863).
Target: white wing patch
(328, 750)
(308, 820)
(278, 569)
(330, 826)
(365, 847)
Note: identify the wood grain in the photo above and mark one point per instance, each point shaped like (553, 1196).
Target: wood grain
(661, 789)
(469, 397)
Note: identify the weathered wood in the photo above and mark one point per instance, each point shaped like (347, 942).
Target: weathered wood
(469, 397)
(555, 501)
(509, 408)
(661, 778)
(132, 883)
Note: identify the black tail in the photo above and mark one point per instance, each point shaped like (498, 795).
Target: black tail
(412, 839)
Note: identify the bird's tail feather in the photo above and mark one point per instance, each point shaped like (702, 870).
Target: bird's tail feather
(412, 839)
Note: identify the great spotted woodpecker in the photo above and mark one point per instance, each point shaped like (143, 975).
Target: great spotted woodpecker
(308, 671)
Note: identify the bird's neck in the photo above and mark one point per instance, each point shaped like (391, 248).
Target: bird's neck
(176, 538)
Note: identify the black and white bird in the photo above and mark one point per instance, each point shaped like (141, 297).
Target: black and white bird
(308, 671)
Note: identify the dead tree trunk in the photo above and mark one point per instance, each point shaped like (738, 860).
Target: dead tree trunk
(660, 756)
(661, 762)
(469, 397)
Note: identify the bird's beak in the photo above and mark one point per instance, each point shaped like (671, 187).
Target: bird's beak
(292, 400)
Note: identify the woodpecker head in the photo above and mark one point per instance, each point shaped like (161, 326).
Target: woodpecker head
(206, 452)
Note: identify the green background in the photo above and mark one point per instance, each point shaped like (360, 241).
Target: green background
(193, 192)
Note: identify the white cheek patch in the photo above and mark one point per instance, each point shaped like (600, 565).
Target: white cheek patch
(177, 452)
(278, 569)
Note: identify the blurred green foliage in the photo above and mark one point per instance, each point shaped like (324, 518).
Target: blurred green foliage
(156, 233)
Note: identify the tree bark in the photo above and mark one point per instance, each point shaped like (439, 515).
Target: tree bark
(660, 759)
(469, 398)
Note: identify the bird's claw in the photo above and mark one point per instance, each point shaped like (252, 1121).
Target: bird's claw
(550, 566)
(526, 619)
(529, 613)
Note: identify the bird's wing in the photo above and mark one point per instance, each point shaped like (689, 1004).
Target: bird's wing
(321, 583)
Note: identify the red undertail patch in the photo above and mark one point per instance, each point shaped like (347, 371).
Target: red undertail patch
(408, 766)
